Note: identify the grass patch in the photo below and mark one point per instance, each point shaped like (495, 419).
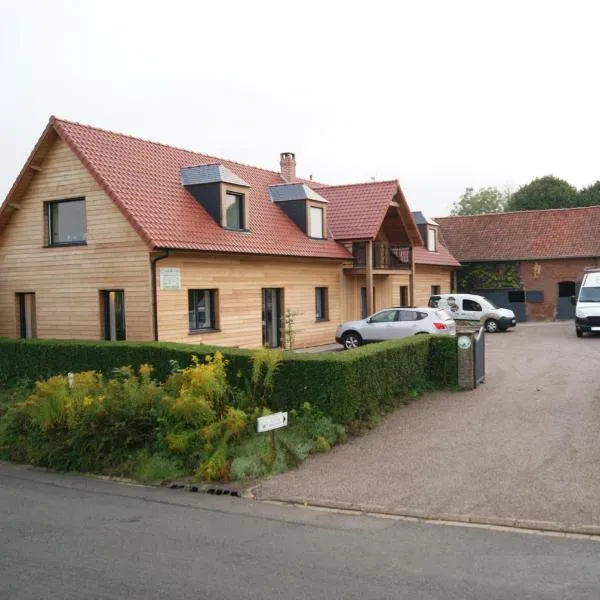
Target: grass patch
(156, 469)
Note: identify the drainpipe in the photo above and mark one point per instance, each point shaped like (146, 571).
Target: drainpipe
(153, 262)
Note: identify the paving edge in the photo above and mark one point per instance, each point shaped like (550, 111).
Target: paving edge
(417, 515)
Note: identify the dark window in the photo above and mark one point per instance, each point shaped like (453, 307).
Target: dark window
(66, 222)
(26, 312)
(566, 289)
(435, 290)
(234, 210)
(408, 315)
(403, 295)
(202, 313)
(471, 305)
(518, 296)
(537, 295)
(112, 303)
(321, 304)
(387, 316)
(363, 303)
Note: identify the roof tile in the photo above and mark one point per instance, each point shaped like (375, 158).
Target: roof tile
(524, 235)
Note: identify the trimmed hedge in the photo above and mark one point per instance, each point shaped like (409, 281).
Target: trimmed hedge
(343, 385)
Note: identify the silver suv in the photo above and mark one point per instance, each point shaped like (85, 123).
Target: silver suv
(394, 323)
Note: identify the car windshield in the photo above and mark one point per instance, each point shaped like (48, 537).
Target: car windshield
(490, 303)
(589, 294)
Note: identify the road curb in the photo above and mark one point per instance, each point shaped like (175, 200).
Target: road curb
(418, 515)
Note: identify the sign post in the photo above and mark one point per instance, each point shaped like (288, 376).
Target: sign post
(271, 423)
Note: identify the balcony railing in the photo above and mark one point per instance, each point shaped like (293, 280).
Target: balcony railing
(385, 256)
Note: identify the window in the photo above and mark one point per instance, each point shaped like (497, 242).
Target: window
(234, 210)
(471, 305)
(403, 295)
(431, 240)
(386, 316)
(316, 222)
(202, 314)
(435, 290)
(517, 296)
(321, 304)
(66, 222)
(409, 315)
(112, 305)
(26, 315)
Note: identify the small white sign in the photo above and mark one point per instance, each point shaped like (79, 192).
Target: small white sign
(170, 279)
(270, 422)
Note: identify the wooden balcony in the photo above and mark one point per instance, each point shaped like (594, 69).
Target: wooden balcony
(386, 257)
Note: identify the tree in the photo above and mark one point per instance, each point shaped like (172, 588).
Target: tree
(589, 196)
(543, 193)
(484, 200)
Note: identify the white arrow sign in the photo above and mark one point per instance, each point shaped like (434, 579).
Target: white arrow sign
(270, 422)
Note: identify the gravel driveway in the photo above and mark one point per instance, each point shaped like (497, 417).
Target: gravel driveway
(524, 445)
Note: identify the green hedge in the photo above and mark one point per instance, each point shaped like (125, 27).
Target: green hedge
(343, 385)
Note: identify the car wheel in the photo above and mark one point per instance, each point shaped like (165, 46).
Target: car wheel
(579, 333)
(491, 326)
(351, 340)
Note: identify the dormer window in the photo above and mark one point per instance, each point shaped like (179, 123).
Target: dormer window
(431, 239)
(316, 222)
(223, 194)
(305, 207)
(234, 211)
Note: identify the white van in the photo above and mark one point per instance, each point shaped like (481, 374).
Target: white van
(587, 309)
(470, 307)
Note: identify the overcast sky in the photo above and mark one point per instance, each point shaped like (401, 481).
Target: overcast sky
(439, 94)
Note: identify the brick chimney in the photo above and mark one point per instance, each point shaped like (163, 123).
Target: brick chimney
(288, 166)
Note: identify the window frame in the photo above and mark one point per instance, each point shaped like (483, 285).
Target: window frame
(213, 310)
(324, 315)
(436, 290)
(432, 237)
(373, 319)
(404, 302)
(26, 315)
(321, 210)
(108, 303)
(241, 210)
(49, 208)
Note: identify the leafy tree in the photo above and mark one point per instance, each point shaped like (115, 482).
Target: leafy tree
(543, 193)
(589, 196)
(484, 200)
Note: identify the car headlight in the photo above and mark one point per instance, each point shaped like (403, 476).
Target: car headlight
(580, 314)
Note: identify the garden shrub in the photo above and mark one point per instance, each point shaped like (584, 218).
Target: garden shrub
(343, 385)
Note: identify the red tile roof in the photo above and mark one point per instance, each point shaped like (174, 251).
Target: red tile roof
(524, 235)
(143, 179)
(443, 257)
(357, 211)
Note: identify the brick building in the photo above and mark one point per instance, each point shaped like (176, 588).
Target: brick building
(529, 261)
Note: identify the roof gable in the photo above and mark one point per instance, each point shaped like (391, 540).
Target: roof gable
(524, 235)
(143, 180)
(357, 211)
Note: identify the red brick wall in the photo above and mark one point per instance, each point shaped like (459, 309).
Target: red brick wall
(544, 275)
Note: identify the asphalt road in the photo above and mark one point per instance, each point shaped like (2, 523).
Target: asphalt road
(67, 537)
(523, 446)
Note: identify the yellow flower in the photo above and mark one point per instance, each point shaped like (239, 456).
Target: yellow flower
(88, 401)
(146, 369)
(100, 398)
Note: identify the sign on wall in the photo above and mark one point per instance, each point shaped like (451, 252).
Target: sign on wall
(170, 279)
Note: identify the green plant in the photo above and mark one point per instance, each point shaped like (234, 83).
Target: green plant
(289, 326)
(156, 468)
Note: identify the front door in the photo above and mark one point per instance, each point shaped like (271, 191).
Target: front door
(271, 317)
(382, 326)
(565, 309)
